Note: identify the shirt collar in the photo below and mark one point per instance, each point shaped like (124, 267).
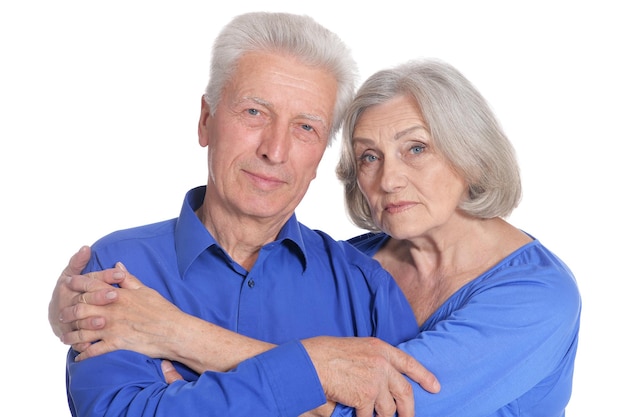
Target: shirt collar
(192, 238)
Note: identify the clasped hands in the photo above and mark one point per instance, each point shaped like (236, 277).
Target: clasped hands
(365, 373)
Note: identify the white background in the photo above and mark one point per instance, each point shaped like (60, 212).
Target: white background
(98, 113)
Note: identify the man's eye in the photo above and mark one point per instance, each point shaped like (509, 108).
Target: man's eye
(308, 128)
(253, 112)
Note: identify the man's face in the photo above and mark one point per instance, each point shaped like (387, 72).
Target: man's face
(267, 136)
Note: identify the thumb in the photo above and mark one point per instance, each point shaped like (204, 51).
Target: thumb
(169, 372)
(78, 261)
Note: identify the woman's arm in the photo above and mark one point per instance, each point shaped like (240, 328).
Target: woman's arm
(139, 319)
(135, 317)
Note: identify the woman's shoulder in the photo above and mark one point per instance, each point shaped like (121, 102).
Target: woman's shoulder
(533, 275)
(369, 243)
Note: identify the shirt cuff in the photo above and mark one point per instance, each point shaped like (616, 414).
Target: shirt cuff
(292, 378)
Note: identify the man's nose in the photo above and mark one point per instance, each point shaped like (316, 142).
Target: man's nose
(275, 144)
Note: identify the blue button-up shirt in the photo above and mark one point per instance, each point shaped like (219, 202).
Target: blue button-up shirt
(304, 284)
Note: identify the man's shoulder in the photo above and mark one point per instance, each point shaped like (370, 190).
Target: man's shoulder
(153, 231)
(341, 251)
(142, 249)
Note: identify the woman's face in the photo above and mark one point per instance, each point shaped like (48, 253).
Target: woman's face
(411, 189)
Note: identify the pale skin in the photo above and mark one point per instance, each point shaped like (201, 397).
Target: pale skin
(272, 140)
(265, 141)
(413, 194)
(405, 177)
(141, 320)
(402, 175)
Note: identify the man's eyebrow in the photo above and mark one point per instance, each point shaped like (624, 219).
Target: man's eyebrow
(307, 116)
(257, 100)
(315, 118)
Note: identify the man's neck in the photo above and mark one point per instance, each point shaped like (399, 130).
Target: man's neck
(242, 237)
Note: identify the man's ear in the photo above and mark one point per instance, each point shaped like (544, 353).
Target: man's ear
(203, 123)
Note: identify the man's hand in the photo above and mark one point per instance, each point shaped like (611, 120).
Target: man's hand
(72, 289)
(368, 374)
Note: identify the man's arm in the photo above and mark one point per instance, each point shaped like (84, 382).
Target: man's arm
(142, 320)
(365, 373)
(171, 375)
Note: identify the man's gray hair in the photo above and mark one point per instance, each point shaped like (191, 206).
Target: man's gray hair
(297, 35)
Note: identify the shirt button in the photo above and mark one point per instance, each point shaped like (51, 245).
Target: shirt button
(251, 283)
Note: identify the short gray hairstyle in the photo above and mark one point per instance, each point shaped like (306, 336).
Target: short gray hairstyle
(463, 129)
(297, 35)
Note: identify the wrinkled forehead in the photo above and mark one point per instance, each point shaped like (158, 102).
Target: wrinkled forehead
(282, 82)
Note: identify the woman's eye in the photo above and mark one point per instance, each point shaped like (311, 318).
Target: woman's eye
(417, 149)
(368, 158)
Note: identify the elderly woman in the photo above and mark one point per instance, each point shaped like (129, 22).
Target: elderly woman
(428, 170)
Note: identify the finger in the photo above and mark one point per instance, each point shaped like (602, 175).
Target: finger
(80, 311)
(104, 296)
(62, 293)
(409, 366)
(385, 405)
(386, 409)
(78, 261)
(364, 412)
(402, 399)
(95, 280)
(86, 282)
(80, 336)
(91, 323)
(130, 281)
(80, 347)
(169, 372)
(91, 350)
(110, 276)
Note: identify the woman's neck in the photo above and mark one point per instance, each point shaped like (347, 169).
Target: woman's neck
(429, 269)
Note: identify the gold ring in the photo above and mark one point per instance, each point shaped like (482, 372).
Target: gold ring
(81, 298)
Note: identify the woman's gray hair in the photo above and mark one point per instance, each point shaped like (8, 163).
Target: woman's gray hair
(296, 35)
(463, 129)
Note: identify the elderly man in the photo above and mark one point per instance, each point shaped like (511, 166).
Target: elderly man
(237, 258)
